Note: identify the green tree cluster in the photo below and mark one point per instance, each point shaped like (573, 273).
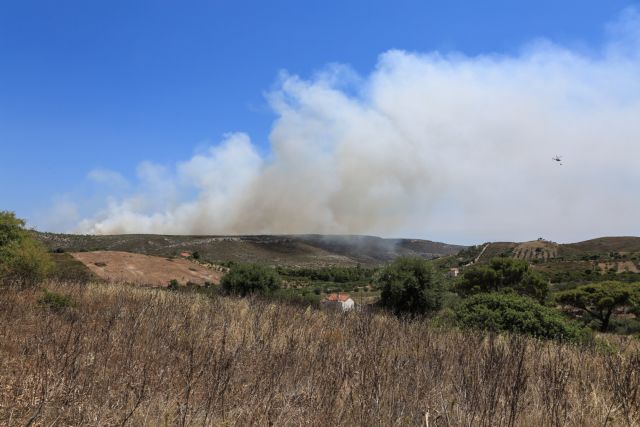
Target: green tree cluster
(246, 279)
(501, 312)
(411, 286)
(329, 274)
(504, 274)
(23, 260)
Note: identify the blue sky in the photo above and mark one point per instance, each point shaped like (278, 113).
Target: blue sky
(108, 84)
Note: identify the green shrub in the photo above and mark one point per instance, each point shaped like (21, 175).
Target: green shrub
(246, 279)
(411, 286)
(55, 301)
(23, 260)
(509, 312)
(292, 297)
(173, 285)
(501, 274)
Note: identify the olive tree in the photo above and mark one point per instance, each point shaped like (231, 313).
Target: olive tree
(411, 286)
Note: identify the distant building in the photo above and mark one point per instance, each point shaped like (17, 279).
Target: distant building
(339, 301)
(453, 272)
(185, 254)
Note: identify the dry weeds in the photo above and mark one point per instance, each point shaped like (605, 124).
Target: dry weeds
(126, 355)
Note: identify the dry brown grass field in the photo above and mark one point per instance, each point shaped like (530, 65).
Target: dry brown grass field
(123, 355)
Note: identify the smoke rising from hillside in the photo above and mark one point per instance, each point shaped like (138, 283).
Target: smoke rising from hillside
(446, 146)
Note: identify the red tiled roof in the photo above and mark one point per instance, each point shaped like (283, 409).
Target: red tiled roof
(342, 297)
(185, 254)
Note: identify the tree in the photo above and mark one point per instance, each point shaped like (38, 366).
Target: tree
(11, 228)
(245, 279)
(411, 286)
(600, 299)
(23, 260)
(501, 312)
(504, 274)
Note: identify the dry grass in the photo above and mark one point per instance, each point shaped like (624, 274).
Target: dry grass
(126, 355)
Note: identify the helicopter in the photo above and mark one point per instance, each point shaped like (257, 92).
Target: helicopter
(557, 159)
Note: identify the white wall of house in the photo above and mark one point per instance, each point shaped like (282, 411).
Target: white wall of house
(348, 305)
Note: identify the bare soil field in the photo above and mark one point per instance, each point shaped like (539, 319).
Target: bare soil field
(618, 266)
(145, 269)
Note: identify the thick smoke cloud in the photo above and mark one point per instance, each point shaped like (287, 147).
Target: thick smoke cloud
(446, 147)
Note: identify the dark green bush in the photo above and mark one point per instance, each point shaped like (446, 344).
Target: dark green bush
(509, 312)
(501, 274)
(245, 279)
(411, 286)
(173, 285)
(55, 301)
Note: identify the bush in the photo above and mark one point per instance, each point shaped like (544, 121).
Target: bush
(501, 274)
(55, 301)
(173, 285)
(501, 312)
(23, 259)
(411, 286)
(246, 279)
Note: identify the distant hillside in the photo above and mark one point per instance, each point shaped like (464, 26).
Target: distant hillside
(604, 258)
(626, 244)
(544, 250)
(302, 250)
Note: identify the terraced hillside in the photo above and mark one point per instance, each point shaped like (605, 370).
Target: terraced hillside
(299, 250)
(605, 258)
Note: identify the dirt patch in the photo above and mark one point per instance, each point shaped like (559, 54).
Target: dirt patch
(618, 267)
(145, 269)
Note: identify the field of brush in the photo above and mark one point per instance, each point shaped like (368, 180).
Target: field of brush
(108, 354)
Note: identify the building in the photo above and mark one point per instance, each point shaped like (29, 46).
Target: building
(453, 272)
(340, 301)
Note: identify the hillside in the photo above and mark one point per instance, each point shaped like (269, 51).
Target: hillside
(544, 250)
(296, 250)
(604, 258)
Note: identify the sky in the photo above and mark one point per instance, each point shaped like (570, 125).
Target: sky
(408, 118)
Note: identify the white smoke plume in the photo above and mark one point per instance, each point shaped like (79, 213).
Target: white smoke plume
(443, 146)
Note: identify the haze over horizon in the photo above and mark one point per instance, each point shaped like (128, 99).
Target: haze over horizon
(441, 143)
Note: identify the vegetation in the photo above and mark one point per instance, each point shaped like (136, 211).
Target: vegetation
(504, 274)
(23, 260)
(139, 356)
(55, 301)
(329, 274)
(601, 299)
(246, 279)
(499, 312)
(411, 286)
